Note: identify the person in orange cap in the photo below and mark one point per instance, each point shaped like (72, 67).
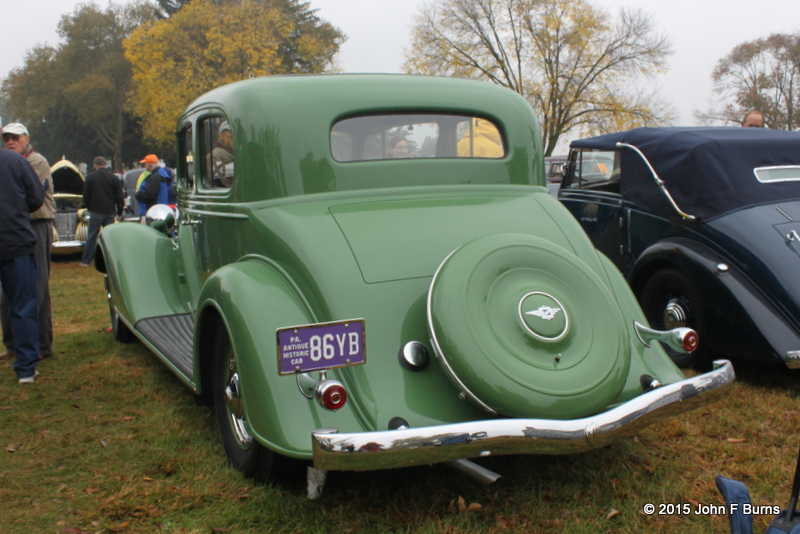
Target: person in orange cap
(153, 186)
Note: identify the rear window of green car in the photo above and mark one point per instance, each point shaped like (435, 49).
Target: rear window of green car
(417, 136)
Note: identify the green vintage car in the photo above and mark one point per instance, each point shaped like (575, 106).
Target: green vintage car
(367, 272)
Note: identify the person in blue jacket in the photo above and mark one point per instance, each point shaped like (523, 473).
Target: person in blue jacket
(156, 186)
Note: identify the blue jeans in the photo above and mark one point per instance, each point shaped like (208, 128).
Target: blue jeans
(96, 221)
(20, 286)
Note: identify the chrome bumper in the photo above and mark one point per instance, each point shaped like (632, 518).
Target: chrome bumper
(66, 247)
(429, 445)
(792, 359)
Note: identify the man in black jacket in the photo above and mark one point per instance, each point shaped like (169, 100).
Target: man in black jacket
(102, 196)
(21, 193)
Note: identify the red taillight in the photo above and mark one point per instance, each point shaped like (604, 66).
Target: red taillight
(331, 394)
(690, 341)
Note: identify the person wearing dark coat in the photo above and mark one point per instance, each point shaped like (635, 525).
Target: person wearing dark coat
(21, 193)
(102, 196)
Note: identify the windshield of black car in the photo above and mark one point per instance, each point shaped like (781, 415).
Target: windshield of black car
(595, 165)
(781, 173)
(415, 136)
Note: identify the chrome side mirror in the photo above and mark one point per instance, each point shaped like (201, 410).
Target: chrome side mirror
(162, 218)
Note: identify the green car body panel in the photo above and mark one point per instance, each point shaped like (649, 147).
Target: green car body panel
(301, 239)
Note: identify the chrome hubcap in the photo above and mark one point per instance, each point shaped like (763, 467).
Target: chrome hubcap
(674, 315)
(233, 400)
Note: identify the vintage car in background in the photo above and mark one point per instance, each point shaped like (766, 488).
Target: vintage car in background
(705, 225)
(371, 274)
(71, 225)
(554, 168)
(554, 172)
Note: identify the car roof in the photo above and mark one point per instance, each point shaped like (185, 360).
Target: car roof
(708, 170)
(294, 115)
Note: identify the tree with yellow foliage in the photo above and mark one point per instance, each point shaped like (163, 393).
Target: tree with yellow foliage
(210, 43)
(577, 67)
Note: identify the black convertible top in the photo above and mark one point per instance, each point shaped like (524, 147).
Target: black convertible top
(708, 171)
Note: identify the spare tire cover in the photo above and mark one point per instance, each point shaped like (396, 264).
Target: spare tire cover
(524, 328)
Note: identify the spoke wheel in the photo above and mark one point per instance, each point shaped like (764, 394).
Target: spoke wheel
(244, 453)
(669, 300)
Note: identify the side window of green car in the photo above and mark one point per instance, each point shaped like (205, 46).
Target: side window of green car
(186, 158)
(216, 153)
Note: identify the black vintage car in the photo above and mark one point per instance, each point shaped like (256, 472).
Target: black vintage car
(705, 225)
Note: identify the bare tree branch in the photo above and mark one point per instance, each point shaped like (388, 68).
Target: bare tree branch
(577, 67)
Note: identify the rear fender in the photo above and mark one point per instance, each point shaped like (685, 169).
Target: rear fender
(650, 360)
(742, 321)
(248, 300)
(141, 264)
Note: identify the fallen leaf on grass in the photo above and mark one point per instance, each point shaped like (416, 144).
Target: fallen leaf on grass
(12, 448)
(104, 443)
(611, 513)
(461, 504)
(5, 408)
(127, 418)
(90, 490)
(120, 528)
(43, 416)
(736, 440)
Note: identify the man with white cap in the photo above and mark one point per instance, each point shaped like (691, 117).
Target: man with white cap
(17, 139)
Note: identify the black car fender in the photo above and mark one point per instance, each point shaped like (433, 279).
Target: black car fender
(740, 319)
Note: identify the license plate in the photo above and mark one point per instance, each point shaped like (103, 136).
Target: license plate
(321, 346)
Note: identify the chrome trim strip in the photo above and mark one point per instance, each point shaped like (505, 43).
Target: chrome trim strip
(438, 350)
(429, 445)
(60, 244)
(659, 182)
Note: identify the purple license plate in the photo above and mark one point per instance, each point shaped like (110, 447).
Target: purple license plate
(321, 346)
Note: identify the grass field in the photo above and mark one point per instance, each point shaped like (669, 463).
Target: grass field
(108, 440)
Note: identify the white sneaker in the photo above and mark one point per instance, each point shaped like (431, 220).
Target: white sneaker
(29, 379)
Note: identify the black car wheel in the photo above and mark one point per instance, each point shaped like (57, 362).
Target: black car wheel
(121, 331)
(669, 300)
(244, 453)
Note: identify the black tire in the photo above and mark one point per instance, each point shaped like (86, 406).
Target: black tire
(244, 453)
(121, 331)
(669, 300)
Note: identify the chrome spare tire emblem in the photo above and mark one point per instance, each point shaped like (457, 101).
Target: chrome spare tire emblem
(543, 316)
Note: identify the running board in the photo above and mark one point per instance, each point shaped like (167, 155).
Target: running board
(173, 337)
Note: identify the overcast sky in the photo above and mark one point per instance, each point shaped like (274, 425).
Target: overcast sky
(701, 32)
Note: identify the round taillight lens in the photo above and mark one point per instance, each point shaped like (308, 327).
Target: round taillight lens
(331, 394)
(690, 341)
